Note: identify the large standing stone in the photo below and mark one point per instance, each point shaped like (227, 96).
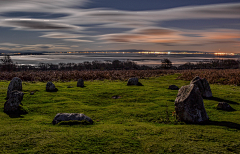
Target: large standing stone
(12, 105)
(50, 87)
(203, 86)
(133, 81)
(15, 84)
(189, 105)
(80, 83)
(71, 116)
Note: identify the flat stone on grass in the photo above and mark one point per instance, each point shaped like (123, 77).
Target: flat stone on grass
(72, 118)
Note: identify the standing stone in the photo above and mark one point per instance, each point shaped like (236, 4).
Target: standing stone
(133, 81)
(50, 87)
(189, 105)
(71, 116)
(15, 84)
(80, 83)
(203, 86)
(12, 105)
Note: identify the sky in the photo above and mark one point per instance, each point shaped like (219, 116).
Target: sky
(86, 25)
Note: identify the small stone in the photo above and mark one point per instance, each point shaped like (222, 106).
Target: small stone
(80, 83)
(189, 105)
(50, 87)
(173, 87)
(224, 106)
(133, 81)
(70, 87)
(32, 93)
(15, 84)
(71, 117)
(116, 97)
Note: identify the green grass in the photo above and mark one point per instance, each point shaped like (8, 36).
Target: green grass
(140, 121)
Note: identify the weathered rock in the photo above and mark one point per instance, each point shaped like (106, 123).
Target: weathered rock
(15, 84)
(189, 105)
(133, 81)
(71, 117)
(116, 97)
(80, 83)
(50, 87)
(12, 105)
(224, 106)
(173, 87)
(203, 86)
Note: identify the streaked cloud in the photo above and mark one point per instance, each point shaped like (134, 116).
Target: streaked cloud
(145, 25)
(36, 24)
(59, 35)
(35, 47)
(77, 40)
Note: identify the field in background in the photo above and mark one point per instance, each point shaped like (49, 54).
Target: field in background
(214, 76)
(140, 121)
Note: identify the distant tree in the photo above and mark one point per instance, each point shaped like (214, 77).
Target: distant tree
(7, 63)
(42, 66)
(116, 64)
(166, 63)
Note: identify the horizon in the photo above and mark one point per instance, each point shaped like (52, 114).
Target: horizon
(140, 57)
(87, 25)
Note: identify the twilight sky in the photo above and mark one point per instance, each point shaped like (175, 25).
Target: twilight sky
(77, 25)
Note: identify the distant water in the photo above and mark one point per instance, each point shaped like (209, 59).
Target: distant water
(140, 59)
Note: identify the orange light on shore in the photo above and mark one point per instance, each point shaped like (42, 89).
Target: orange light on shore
(219, 53)
(222, 54)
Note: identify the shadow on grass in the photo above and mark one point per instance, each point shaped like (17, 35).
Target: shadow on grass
(223, 123)
(15, 116)
(17, 113)
(221, 100)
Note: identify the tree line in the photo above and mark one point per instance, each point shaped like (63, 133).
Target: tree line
(8, 65)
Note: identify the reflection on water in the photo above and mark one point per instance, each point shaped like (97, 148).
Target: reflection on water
(140, 59)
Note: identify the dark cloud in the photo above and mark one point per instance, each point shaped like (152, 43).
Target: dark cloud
(192, 35)
(33, 15)
(44, 47)
(224, 10)
(155, 31)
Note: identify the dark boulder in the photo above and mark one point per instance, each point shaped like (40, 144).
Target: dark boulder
(224, 106)
(173, 87)
(50, 87)
(80, 83)
(15, 84)
(71, 117)
(189, 105)
(133, 81)
(203, 86)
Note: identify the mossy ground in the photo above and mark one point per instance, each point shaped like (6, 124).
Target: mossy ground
(140, 121)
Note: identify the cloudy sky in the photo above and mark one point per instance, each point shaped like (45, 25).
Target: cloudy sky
(77, 25)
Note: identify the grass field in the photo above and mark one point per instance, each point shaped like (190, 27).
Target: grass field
(140, 121)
